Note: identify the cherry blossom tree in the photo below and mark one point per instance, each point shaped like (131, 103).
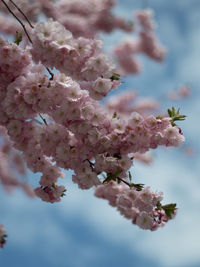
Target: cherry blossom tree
(53, 76)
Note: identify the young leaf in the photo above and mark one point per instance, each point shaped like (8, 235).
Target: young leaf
(115, 76)
(138, 187)
(18, 38)
(169, 209)
(175, 115)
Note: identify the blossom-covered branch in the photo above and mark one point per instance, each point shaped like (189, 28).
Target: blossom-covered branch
(99, 143)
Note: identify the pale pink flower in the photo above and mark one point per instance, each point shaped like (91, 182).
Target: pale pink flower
(144, 221)
(135, 120)
(86, 180)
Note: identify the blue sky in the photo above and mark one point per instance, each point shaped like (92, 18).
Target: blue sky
(83, 231)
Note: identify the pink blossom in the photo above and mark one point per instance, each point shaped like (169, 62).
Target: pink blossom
(144, 221)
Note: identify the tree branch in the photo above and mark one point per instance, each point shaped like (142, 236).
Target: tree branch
(22, 24)
(26, 18)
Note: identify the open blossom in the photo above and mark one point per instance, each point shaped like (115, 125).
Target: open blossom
(102, 85)
(173, 136)
(134, 120)
(50, 194)
(144, 221)
(86, 180)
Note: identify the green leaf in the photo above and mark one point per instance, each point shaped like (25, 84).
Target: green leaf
(108, 178)
(159, 206)
(175, 116)
(169, 112)
(117, 173)
(169, 209)
(63, 193)
(138, 187)
(112, 176)
(159, 117)
(115, 76)
(114, 115)
(18, 38)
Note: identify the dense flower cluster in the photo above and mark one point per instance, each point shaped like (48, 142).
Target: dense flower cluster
(85, 19)
(81, 132)
(82, 59)
(139, 206)
(82, 19)
(146, 44)
(57, 122)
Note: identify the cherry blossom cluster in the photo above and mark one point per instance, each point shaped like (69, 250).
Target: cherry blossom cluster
(81, 58)
(124, 104)
(82, 19)
(146, 44)
(81, 136)
(85, 19)
(141, 207)
(58, 123)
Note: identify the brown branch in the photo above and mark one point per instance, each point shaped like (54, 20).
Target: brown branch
(24, 27)
(45, 122)
(127, 183)
(138, 187)
(26, 18)
(22, 24)
(51, 73)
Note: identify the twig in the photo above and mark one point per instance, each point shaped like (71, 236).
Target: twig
(22, 24)
(138, 187)
(24, 27)
(26, 18)
(51, 73)
(127, 183)
(45, 122)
